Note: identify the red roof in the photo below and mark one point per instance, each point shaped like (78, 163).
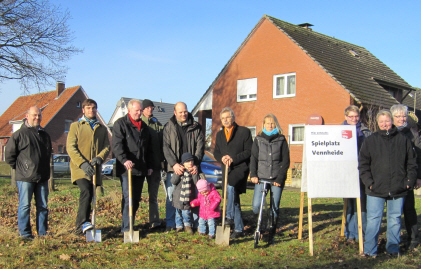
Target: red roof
(47, 101)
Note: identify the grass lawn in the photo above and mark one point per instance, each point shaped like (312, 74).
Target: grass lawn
(160, 249)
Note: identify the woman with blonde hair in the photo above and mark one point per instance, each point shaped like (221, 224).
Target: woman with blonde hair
(269, 161)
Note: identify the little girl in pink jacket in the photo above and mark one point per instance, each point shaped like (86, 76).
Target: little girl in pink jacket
(208, 199)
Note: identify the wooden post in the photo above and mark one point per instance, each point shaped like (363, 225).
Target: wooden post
(13, 178)
(360, 227)
(344, 217)
(51, 180)
(310, 227)
(300, 220)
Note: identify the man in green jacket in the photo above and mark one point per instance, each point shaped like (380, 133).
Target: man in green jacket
(88, 146)
(155, 130)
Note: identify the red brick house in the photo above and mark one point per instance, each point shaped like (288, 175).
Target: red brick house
(59, 109)
(292, 71)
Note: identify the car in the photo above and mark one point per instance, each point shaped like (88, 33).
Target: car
(61, 163)
(212, 169)
(107, 168)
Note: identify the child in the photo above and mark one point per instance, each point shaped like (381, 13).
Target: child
(184, 192)
(208, 199)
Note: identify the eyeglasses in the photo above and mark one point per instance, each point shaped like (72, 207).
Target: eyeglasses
(353, 117)
(226, 118)
(400, 117)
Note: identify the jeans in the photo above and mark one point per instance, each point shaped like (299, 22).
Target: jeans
(202, 226)
(351, 223)
(154, 181)
(40, 191)
(182, 218)
(85, 198)
(410, 217)
(234, 208)
(137, 186)
(276, 196)
(375, 207)
(169, 208)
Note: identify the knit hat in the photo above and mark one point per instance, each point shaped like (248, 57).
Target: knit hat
(147, 102)
(186, 157)
(202, 185)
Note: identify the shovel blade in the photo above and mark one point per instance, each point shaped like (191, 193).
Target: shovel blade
(222, 236)
(93, 235)
(131, 237)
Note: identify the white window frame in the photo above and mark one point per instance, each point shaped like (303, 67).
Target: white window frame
(65, 123)
(247, 90)
(275, 77)
(291, 136)
(255, 131)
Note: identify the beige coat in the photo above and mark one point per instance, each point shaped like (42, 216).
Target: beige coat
(83, 144)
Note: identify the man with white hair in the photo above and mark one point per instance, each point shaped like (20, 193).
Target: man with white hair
(132, 149)
(28, 151)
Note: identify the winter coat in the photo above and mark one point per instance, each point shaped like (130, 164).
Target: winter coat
(239, 149)
(130, 144)
(83, 144)
(416, 142)
(270, 158)
(155, 131)
(209, 204)
(176, 181)
(28, 151)
(387, 164)
(171, 143)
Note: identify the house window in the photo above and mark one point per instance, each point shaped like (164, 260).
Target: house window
(60, 149)
(252, 131)
(77, 104)
(296, 133)
(284, 85)
(246, 89)
(67, 124)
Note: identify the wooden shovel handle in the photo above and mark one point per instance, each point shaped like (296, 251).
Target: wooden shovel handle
(224, 208)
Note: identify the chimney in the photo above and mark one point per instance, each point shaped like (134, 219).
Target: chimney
(306, 26)
(60, 87)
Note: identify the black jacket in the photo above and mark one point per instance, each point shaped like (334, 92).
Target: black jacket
(270, 158)
(131, 144)
(416, 142)
(387, 163)
(29, 151)
(239, 149)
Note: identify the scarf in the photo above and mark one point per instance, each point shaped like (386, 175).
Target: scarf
(403, 126)
(92, 122)
(274, 131)
(186, 186)
(137, 124)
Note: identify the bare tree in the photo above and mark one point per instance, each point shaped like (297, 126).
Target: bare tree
(35, 42)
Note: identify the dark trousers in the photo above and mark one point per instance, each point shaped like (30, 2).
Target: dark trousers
(410, 217)
(85, 198)
(137, 186)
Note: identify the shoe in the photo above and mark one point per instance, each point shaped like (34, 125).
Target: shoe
(236, 234)
(179, 230)
(155, 225)
(202, 234)
(87, 226)
(27, 238)
(169, 229)
(365, 255)
(77, 232)
(188, 230)
(394, 255)
(413, 245)
(211, 237)
(229, 222)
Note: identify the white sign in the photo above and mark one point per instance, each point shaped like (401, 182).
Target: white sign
(331, 161)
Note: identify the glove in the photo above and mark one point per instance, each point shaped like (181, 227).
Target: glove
(88, 169)
(96, 161)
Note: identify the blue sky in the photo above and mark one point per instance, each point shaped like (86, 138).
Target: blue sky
(173, 50)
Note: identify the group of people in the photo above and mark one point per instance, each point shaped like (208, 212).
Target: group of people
(389, 165)
(390, 168)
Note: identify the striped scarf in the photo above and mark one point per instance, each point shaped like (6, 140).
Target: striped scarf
(186, 186)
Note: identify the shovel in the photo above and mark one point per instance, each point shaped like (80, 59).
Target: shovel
(93, 235)
(222, 236)
(131, 236)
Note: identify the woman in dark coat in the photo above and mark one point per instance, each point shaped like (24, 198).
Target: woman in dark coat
(269, 161)
(388, 169)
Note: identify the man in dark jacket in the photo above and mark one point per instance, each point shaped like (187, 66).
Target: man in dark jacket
(132, 149)
(155, 130)
(181, 134)
(28, 151)
(233, 149)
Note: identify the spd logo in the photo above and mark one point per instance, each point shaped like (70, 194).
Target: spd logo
(347, 134)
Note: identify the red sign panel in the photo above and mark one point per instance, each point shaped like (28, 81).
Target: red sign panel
(347, 134)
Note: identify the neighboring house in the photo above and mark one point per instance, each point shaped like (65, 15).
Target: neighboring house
(293, 72)
(59, 109)
(163, 111)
